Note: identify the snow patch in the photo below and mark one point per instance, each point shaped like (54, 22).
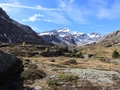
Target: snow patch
(45, 34)
(62, 35)
(63, 30)
(77, 33)
(16, 23)
(8, 38)
(94, 35)
(53, 41)
(3, 17)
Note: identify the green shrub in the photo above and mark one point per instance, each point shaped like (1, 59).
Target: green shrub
(115, 54)
(51, 82)
(75, 51)
(52, 60)
(56, 65)
(32, 66)
(55, 69)
(32, 74)
(71, 61)
(65, 49)
(67, 77)
(105, 59)
(70, 51)
(79, 55)
(59, 50)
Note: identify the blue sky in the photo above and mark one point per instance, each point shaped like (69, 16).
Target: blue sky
(102, 16)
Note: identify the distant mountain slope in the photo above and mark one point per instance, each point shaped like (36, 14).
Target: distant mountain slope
(110, 36)
(66, 37)
(13, 32)
(110, 39)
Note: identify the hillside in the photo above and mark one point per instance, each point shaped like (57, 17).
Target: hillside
(110, 39)
(12, 31)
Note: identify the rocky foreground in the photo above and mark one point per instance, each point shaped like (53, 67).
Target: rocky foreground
(10, 70)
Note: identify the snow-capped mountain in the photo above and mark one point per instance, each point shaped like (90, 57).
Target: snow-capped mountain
(65, 36)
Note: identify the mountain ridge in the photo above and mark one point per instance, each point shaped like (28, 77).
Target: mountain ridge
(110, 39)
(67, 37)
(12, 31)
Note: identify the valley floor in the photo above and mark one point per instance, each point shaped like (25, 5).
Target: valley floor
(89, 73)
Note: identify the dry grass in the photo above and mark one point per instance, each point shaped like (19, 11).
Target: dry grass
(44, 62)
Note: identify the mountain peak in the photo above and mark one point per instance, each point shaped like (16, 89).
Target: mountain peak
(12, 31)
(65, 36)
(3, 14)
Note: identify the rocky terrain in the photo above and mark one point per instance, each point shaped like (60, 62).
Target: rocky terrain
(13, 32)
(99, 76)
(66, 70)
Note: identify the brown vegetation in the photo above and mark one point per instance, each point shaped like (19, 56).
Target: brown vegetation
(54, 61)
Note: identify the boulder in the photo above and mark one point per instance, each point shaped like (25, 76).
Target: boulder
(10, 69)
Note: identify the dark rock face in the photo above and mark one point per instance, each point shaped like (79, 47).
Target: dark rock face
(10, 69)
(50, 38)
(14, 32)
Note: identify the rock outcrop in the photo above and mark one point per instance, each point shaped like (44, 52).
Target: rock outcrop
(10, 69)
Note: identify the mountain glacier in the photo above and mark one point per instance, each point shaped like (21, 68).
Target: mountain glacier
(65, 36)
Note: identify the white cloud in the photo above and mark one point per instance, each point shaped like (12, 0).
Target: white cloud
(72, 1)
(57, 17)
(62, 4)
(47, 20)
(82, 13)
(104, 13)
(17, 5)
(105, 9)
(36, 17)
(73, 11)
(69, 11)
(33, 18)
